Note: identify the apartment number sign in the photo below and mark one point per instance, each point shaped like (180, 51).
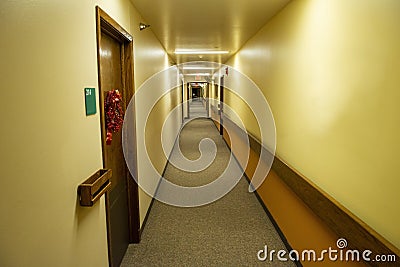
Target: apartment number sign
(90, 101)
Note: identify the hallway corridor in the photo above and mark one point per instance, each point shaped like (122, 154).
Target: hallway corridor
(303, 94)
(228, 232)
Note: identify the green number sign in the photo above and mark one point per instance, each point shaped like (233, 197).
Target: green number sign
(90, 101)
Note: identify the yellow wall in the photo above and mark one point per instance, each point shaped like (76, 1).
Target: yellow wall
(329, 70)
(150, 58)
(237, 104)
(48, 145)
(151, 157)
(154, 127)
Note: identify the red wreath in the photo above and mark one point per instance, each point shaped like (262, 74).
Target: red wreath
(114, 113)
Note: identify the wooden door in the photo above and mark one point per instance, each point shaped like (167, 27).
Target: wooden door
(116, 73)
(182, 100)
(221, 106)
(188, 97)
(117, 198)
(207, 96)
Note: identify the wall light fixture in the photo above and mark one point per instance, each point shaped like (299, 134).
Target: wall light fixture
(143, 26)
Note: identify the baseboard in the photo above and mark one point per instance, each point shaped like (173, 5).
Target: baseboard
(275, 224)
(148, 212)
(271, 218)
(358, 234)
(158, 186)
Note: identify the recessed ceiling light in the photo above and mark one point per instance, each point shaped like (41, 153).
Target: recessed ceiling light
(198, 74)
(197, 68)
(199, 52)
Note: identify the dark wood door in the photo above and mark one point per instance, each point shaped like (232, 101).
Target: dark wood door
(221, 107)
(207, 96)
(111, 65)
(115, 68)
(188, 97)
(182, 100)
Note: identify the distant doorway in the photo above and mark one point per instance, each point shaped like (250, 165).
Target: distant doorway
(198, 103)
(196, 93)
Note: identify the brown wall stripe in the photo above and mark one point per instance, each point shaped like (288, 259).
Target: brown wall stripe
(339, 219)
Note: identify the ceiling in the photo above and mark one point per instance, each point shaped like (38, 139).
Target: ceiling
(206, 24)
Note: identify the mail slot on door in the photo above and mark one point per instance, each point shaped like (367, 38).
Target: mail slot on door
(94, 187)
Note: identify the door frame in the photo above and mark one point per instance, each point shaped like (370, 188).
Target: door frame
(207, 92)
(182, 101)
(221, 106)
(188, 100)
(105, 24)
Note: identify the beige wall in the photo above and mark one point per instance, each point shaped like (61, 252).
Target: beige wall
(329, 70)
(48, 145)
(153, 129)
(237, 103)
(152, 153)
(150, 58)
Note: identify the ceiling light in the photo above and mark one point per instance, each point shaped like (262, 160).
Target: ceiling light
(198, 74)
(197, 68)
(199, 52)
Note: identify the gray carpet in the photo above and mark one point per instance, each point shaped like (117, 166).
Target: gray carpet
(228, 232)
(197, 108)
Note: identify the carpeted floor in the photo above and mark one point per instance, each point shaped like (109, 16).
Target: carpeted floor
(197, 108)
(228, 232)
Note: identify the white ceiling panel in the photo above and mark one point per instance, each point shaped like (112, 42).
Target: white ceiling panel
(207, 24)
